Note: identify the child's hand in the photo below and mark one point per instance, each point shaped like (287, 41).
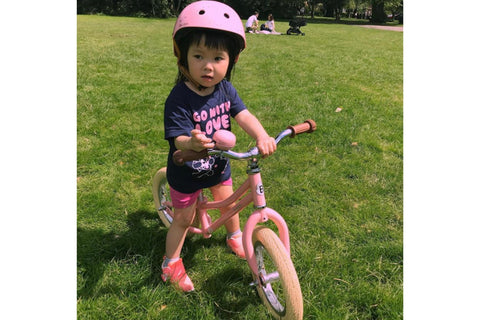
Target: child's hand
(199, 141)
(266, 145)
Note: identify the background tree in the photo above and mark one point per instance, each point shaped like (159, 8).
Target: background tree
(333, 8)
(311, 5)
(279, 8)
(357, 7)
(378, 11)
(394, 7)
(166, 8)
(145, 8)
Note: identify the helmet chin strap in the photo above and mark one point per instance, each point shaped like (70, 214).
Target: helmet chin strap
(184, 70)
(187, 75)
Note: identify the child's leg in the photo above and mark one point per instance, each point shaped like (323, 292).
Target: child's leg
(182, 219)
(172, 265)
(234, 234)
(221, 192)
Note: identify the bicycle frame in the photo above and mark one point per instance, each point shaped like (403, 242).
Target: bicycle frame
(251, 191)
(267, 254)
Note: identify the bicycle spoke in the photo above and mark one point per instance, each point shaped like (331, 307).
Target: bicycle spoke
(269, 279)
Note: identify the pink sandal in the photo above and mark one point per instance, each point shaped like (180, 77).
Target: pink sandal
(236, 245)
(175, 272)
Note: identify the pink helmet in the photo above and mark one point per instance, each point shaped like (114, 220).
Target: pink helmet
(209, 15)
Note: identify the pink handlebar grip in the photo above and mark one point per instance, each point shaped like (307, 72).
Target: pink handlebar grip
(224, 140)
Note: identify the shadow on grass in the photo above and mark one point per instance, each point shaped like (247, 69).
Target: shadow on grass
(97, 248)
(143, 244)
(231, 293)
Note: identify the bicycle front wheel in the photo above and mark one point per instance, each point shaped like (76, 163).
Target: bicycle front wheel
(161, 197)
(277, 282)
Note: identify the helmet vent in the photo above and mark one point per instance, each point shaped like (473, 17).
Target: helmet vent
(226, 15)
(201, 12)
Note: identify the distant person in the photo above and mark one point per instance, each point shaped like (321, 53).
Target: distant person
(269, 26)
(252, 23)
(270, 23)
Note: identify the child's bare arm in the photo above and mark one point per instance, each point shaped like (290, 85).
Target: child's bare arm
(197, 142)
(250, 124)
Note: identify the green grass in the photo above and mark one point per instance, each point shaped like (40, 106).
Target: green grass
(339, 189)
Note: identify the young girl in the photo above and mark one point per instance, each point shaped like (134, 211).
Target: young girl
(207, 39)
(271, 24)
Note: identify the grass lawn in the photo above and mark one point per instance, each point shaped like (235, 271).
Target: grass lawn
(340, 189)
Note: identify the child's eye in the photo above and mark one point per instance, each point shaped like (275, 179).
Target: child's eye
(197, 56)
(219, 58)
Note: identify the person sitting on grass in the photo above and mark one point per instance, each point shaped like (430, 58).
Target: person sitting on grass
(252, 23)
(269, 26)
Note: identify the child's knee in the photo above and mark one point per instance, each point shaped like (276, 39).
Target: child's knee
(184, 216)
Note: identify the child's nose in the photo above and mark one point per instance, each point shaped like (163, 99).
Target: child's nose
(208, 65)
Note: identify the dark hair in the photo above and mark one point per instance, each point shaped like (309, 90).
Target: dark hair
(213, 39)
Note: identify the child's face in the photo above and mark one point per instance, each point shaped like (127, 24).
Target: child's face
(207, 66)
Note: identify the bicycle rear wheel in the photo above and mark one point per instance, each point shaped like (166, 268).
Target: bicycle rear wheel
(161, 197)
(277, 283)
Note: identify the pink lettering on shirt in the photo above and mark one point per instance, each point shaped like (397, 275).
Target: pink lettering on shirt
(214, 119)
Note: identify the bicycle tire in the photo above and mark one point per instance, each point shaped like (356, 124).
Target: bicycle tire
(161, 195)
(282, 297)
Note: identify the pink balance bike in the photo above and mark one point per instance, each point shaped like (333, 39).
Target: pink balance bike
(267, 254)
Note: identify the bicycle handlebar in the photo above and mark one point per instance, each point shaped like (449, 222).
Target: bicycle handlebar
(308, 126)
(181, 156)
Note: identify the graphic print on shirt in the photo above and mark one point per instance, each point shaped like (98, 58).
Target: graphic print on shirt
(207, 167)
(212, 119)
(203, 167)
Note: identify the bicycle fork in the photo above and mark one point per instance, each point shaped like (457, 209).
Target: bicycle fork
(261, 215)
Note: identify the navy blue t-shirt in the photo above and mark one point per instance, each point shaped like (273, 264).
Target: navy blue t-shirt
(184, 111)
